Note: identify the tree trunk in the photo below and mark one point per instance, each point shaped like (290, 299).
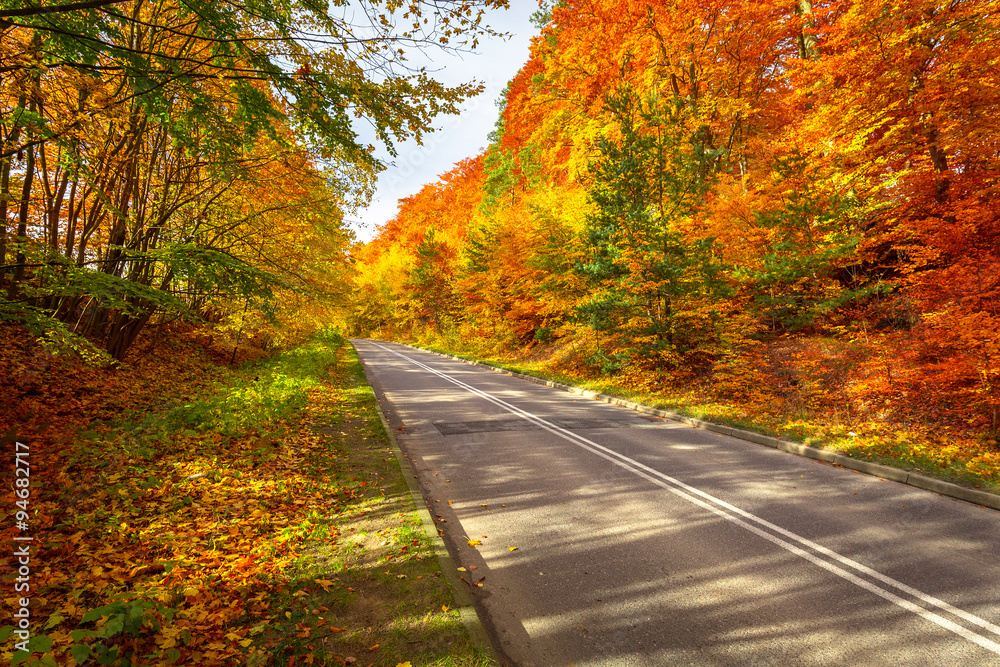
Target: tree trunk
(12, 138)
(72, 216)
(808, 44)
(55, 196)
(22, 220)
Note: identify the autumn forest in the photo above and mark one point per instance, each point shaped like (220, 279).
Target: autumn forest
(786, 207)
(781, 215)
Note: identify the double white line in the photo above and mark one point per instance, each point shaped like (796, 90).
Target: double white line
(831, 561)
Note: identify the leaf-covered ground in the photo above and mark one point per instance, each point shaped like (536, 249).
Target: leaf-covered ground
(261, 519)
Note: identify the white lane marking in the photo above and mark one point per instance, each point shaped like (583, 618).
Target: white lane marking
(688, 492)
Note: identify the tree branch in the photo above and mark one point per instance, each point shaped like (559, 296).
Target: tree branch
(55, 9)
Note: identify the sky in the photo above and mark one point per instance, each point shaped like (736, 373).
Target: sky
(494, 63)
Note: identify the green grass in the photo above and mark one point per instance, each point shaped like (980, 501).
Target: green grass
(266, 511)
(378, 585)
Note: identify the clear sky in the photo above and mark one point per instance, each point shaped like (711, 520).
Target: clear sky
(494, 63)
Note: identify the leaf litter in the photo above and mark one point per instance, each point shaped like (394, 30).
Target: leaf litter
(260, 520)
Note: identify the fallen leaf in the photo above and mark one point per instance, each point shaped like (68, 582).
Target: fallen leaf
(474, 543)
(143, 570)
(512, 548)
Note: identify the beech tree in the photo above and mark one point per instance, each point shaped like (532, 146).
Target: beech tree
(134, 134)
(319, 66)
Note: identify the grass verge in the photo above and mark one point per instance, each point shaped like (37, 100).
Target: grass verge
(263, 522)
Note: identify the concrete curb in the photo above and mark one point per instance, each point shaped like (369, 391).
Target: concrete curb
(975, 496)
(463, 602)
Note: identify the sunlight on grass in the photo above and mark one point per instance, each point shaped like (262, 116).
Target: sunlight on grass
(215, 532)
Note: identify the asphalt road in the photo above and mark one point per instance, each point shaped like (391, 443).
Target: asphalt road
(613, 538)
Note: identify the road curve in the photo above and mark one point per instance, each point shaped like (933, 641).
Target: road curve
(611, 538)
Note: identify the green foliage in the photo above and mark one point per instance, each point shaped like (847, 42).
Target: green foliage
(652, 282)
(430, 280)
(130, 618)
(543, 15)
(495, 136)
(599, 310)
(54, 335)
(210, 271)
(607, 363)
(332, 336)
(506, 172)
(811, 235)
(277, 390)
(37, 643)
(321, 73)
(553, 261)
(62, 292)
(544, 334)
(58, 277)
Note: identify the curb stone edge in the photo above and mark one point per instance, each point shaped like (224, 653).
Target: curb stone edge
(948, 489)
(449, 570)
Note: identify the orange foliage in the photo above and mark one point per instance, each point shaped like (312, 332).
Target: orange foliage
(446, 205)
(849, 161)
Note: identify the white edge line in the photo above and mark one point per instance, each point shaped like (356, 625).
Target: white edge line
(675, 486)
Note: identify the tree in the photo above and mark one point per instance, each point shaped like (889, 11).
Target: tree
(903, 109)
(654, 283)
(134, 132)
(316, 66)
(430, 281)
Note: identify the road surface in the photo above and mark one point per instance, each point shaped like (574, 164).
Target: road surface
(612, 538)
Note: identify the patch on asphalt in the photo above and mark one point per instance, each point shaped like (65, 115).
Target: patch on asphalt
(516, 424)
